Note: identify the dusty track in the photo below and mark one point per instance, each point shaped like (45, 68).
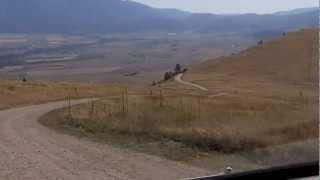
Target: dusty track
(30, 151)
(178, 78)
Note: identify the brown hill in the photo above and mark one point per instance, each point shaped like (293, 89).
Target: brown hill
(290, 62)
(269, 98)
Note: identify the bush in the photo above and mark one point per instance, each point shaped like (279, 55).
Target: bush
(178, 68)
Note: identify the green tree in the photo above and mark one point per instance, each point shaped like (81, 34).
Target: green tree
(178, 68)
(260, 42)
(166, 76)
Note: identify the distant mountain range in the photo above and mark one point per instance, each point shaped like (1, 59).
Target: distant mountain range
(297, 11)
(123, 16)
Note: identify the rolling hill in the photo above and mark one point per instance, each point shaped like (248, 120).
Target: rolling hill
(101, 16)
(282, 68)
(269, 101)
(79, 16)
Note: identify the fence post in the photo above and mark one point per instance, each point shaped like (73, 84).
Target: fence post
(161, 98)
(199, 107)
(123, 102)
(69, 107)
(127, 100)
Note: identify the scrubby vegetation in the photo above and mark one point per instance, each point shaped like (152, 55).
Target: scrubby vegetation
(16, 93)
(271, 99)
(210, 124)
(169, 75)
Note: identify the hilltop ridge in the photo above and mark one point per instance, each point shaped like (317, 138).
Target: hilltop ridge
(116, 16)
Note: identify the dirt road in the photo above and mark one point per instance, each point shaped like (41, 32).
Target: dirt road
(29, 150)
(178, 78)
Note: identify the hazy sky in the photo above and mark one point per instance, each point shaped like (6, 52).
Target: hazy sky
(232, 6)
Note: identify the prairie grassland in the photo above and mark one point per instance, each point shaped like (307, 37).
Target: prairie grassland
(225, 124)
(17, 93)
(277, 69)
(271, 99)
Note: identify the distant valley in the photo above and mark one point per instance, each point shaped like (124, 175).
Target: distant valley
(104, 58)
(105, 40)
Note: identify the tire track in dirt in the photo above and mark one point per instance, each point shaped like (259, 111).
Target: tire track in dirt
(29, 150)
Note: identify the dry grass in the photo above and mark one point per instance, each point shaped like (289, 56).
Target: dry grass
(16, 93)
(279, 69)
(204, 123)
(271, 99)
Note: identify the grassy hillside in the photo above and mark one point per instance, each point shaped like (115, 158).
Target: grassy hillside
(291, 61)
(270, 99)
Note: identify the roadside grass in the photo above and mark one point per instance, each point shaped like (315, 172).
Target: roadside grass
(271, 99)
(17, 93)
(223, 124)
(268, 115)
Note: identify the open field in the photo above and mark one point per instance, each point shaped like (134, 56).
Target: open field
(182, 129)
(226, 128)
(147, 56)
(132, 90)
(271, 99)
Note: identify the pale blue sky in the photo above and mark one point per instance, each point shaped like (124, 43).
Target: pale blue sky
(231, 6)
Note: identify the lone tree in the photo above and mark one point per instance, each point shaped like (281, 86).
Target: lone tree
(167, 76)
(178, 68)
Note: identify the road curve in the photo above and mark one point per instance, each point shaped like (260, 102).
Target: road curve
(30, 151)
(178, 78)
